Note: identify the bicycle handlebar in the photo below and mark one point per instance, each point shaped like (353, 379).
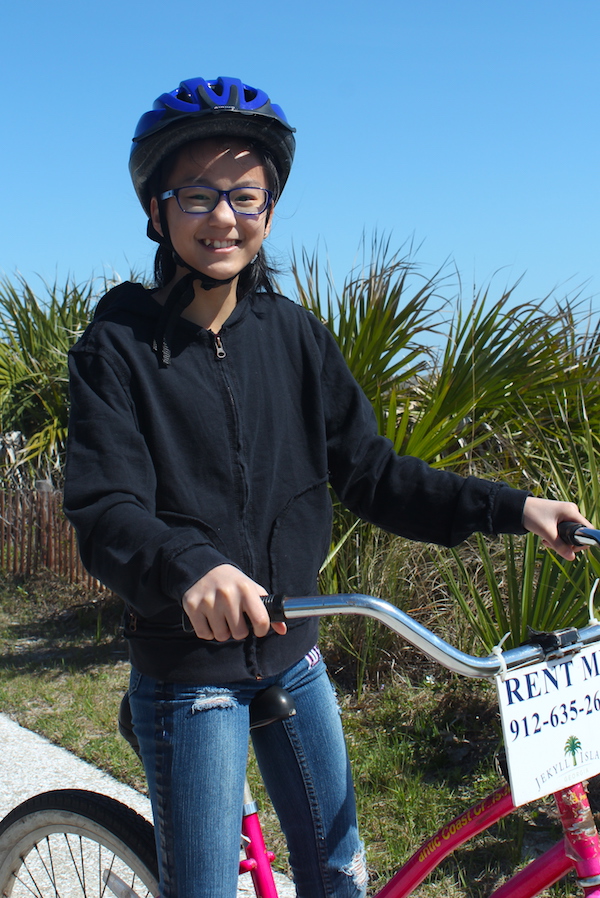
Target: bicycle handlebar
(282, 608)
(575, 535)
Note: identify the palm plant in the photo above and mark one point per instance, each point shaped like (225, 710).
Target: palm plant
(514, 588)
(376, 318)
(560, 448)
(441, 404)
(578, 329)
(35, 336)
(526, 587)
(497, 355)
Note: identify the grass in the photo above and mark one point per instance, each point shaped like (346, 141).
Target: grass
(422, 742)
(64, 669)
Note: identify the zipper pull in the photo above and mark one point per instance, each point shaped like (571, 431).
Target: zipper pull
(219, 350)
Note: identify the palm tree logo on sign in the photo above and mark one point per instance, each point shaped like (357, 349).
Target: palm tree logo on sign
(572, 746)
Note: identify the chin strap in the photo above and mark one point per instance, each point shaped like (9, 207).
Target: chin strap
(178, 299)
(206, 282)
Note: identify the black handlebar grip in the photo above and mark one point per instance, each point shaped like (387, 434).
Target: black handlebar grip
(274, 605)
(567, 530)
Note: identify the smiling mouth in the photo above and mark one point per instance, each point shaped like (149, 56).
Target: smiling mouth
(220, 244)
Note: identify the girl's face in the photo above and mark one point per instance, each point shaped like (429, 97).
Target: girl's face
(218, 243)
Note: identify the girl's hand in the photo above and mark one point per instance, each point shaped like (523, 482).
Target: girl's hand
(542, 516)
(219, 603)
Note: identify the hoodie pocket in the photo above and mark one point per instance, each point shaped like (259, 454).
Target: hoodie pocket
(300, 540)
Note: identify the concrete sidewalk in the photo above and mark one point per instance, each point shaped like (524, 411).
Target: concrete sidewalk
(30, 764)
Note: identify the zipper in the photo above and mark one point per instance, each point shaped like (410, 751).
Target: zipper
(241, 485)
(219, 348)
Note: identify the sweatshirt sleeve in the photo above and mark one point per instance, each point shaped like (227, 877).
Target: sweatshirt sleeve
(109, 496)
(403, 494)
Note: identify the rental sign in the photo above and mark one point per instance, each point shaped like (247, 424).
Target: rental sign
(551, 723)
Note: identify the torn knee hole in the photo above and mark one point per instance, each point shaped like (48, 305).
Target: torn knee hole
(207, 699)
(357, 869)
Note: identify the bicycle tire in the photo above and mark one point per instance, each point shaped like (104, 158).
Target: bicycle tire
(65, 843)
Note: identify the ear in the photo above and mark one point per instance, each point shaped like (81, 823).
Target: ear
(154, 216)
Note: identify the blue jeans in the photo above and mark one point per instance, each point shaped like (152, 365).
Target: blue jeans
(194, 743)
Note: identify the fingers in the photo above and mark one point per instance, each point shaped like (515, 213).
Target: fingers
(542, 516)
(226, 604)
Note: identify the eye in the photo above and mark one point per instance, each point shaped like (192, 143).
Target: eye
(200, 194)
(249, 199)
(247, 196)
(197, 198)
(196, 193)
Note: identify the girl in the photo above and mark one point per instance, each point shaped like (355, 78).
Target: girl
(208, 417)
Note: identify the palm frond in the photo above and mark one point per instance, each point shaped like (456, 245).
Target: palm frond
(36, 334)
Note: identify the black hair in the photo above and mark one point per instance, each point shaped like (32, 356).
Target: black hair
(259, 273)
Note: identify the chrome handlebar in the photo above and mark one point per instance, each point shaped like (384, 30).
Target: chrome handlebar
(282, 608)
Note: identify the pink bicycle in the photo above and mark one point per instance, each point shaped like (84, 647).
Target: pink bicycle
(74, 843)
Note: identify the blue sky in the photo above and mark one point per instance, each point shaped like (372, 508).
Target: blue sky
(471, 128)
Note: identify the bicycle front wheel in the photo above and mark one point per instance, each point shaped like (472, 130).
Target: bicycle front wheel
(70, 843)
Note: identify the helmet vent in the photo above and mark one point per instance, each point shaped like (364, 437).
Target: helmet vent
(185, 96)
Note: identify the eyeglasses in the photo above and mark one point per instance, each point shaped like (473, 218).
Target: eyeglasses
(199, 200)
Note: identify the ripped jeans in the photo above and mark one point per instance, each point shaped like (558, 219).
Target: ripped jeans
(194, 742)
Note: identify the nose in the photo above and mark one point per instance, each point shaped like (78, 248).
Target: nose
(223, 214)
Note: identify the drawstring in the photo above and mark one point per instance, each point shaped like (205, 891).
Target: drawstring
(178, 299)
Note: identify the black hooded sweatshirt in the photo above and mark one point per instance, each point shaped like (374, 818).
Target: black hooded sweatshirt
(226, 456)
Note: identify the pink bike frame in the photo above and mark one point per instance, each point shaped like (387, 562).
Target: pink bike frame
(258, 860)
(579, 850)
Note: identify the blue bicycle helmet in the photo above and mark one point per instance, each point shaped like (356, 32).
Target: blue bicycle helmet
(199, 109)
